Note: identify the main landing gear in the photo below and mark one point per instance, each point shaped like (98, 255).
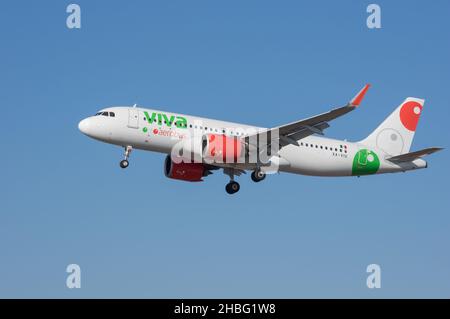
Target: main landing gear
(124, 163)
(258, 176)
(232, 187)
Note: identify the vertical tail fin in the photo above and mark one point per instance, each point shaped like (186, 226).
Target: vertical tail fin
(395, 135)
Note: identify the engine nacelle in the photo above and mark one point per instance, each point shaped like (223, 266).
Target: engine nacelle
(191, 172)
(221, 148)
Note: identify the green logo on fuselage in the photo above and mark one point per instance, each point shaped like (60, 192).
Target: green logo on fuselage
(365, 162)
(179, 121)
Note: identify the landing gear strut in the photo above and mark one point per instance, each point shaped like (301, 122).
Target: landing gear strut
(258, 175)
(124, 163)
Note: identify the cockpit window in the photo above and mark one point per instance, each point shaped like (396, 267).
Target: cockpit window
(111, 114)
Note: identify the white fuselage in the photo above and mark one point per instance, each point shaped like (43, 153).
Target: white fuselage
(159, 131)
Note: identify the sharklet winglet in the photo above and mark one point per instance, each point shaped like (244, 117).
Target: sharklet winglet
(356, 101)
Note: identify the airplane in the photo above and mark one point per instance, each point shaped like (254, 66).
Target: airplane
(197, 146)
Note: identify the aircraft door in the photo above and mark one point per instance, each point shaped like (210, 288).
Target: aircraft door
(133, 117)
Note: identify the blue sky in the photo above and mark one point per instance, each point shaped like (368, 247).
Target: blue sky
(136, 233)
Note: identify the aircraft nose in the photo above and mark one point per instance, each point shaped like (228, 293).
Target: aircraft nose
(84, 125)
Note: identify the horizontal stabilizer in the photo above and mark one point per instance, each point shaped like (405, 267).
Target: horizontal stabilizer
(409, 157)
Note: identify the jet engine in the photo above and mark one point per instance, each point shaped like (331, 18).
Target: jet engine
(190, 172)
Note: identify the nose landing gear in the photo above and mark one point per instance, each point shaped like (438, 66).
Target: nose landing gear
(124, 163)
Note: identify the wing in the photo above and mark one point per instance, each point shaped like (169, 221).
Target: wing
(409, 157)
(292, 132)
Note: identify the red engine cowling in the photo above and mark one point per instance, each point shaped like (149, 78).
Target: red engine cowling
(191, 172)
(221, 148)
